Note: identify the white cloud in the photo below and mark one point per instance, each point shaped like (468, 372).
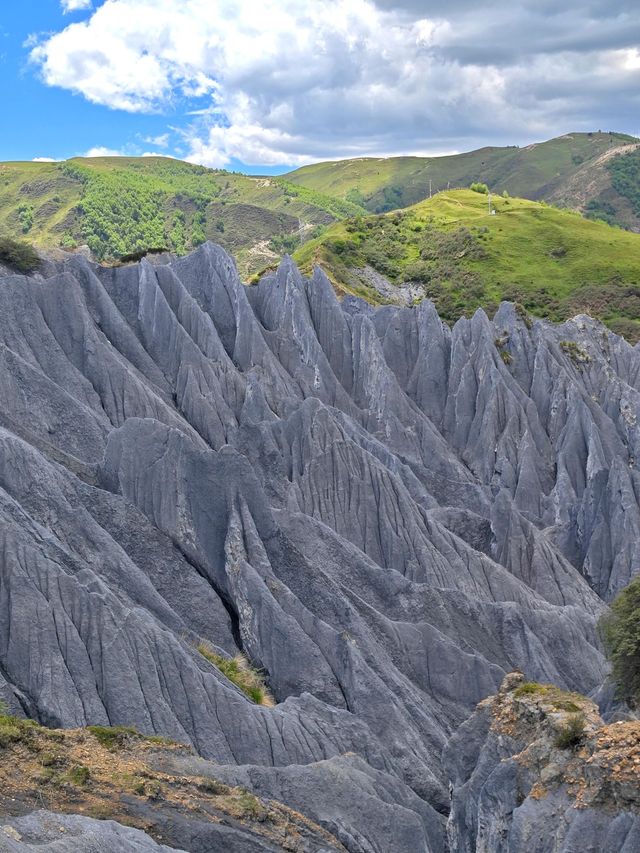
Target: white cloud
(45, 160)
(162, 141)
(285, 81)
(101, 151)
(74, 5)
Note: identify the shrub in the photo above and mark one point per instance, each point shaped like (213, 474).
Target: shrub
(25, 215)
(479, 188)
(251, 806)
(620, 630)
(572, 733)
(18, 255)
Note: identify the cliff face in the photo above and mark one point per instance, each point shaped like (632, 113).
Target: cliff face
(536, 769)
(383, 514)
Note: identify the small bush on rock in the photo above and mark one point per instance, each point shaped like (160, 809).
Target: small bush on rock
(572, 733)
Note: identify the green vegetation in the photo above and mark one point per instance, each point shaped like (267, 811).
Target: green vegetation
(18, 255)
(251, 806)
(575, 353)
(544, 170)
(78, 775)
(113, 737)
(122, 206)
(554, 263)
(620, 630)
(572, 733)
(238, 671)
(476, 187)
(625, 177)
(559, 700)
(13, 729)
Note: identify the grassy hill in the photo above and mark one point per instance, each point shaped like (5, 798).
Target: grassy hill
(117, 205)
(571, 170)
(554, 262)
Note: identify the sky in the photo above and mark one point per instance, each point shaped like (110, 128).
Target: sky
(267, 86)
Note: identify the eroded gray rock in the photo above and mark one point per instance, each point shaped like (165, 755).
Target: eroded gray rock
(378, 510)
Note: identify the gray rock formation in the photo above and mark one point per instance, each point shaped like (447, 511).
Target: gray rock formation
(382, 513)
(47, 832)
(515, 789)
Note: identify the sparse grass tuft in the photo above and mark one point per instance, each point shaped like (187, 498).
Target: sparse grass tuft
(527, 688)
(251, 806)
(212, 786)
(572, 733)
(577, 355)
(78, 775)
(238, 670)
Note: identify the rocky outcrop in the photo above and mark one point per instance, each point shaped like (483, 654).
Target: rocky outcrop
(49, 832)
(383, 514)
(535, 768)
(115, 776)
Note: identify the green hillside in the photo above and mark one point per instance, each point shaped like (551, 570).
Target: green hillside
(540, 171)
(117, 205)
(553, 262)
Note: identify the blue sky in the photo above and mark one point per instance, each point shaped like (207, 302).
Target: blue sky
(266, 86)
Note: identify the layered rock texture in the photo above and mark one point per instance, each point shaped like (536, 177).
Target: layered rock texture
(384, 515)
(536, 769)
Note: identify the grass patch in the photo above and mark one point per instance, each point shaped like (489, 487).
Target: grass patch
(114, 737)
(18, 255)
(251, 806)
(79, 776)
(559, 700)
(238, 670)
(14, 729)
(528, 688)
(212, 786)
(464, 259)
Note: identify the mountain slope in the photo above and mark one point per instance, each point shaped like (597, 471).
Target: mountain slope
(383, 514)
(117, 205)
(449, 248)
(570, 170)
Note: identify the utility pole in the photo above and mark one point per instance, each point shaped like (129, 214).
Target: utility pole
(429, 187)
(489, 202)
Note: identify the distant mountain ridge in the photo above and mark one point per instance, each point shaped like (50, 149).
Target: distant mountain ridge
(117, 205)
(570, 170)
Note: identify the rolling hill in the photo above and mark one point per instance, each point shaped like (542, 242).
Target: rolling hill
(117, 205)
(572, 171)
(553, 262)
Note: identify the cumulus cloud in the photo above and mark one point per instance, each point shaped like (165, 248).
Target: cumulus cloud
(289, 82)
(74, 5)
(44, 160)
(101, 151)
